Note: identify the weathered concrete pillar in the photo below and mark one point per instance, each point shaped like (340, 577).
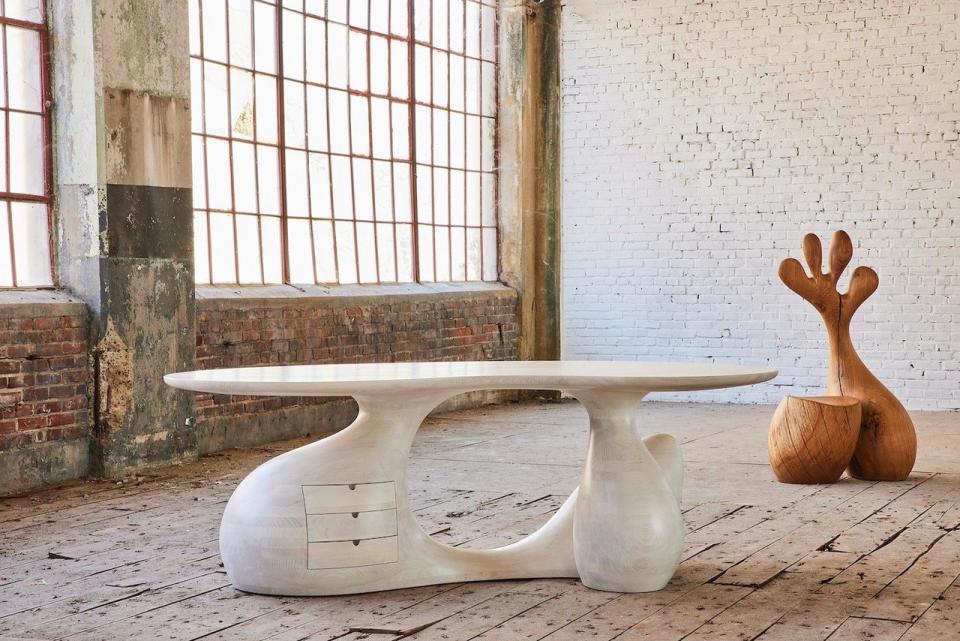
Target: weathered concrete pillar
(121, 83)
(530, 170)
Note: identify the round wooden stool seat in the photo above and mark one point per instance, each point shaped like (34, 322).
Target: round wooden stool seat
(812, 438)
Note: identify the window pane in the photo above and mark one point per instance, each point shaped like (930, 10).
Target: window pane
(380, 124)
(29, 10)
(223, 248)
(383, 189)
(216, 100)
(339, 114)
(346, 252)
(248, 245)
(244, 178)
(342, 187)
(401, 192)
(456, 25)
(398, 69)
(201, 259)
(337, 69)
(266, 87)
(240, 33)
(214, 18)
(293, 62)
(367, 252)
(300, 250)
(357, 63)
(270, 242)
(265, 54)
(379, 61)
(404, 235)
(6, 257)
(298, 203)
(441, 253)
(386, 252)
(26, 153)
(199, 174)
(316, 118)
(23, 69)
(363, 189)
(324, 252)
(218, 174)
(241, 104)
(295, 124)
(320, 186)
(30, 244)
(359, 126)
(268, 180)
(316, 51)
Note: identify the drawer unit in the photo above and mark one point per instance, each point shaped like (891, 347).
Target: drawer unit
(354, 497)
(348, 526)
(350, 554)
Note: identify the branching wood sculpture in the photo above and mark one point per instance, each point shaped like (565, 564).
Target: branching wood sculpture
(887, 447)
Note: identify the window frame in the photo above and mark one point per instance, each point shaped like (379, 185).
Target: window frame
(411, 102)
(46, 102)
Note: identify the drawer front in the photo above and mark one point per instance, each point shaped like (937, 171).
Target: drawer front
(351, 554)
(349, 526)
(358, 497)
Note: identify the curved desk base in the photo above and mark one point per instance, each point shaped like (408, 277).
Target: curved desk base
(333, 517)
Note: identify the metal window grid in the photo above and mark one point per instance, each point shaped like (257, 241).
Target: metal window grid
(25, 162)
(344, 141)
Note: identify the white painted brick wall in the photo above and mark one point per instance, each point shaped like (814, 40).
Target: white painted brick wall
(703, 139)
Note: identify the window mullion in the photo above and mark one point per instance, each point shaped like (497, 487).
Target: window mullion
(412, 128)
(282, 146)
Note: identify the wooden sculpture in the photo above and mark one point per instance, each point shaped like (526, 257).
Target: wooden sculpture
(887, 447)
(813, 438)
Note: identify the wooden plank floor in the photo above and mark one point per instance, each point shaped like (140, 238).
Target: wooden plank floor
(851, 561)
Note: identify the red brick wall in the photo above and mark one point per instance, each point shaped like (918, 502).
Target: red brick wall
(44, 374)
(241, 332)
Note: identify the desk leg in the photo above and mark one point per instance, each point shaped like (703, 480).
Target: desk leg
(627, 529)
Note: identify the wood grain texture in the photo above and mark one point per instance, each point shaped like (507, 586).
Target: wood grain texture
(763, 560)
(887, 447)
(812, 439)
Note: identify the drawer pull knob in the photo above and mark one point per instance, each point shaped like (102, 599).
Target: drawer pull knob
(354, 514)
(356, 542)
(352, 486)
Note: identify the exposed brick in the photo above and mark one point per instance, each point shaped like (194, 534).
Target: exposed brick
(44, 374)
(471, 328)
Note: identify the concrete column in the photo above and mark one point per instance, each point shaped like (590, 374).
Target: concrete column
(530, 171)
(124, 218)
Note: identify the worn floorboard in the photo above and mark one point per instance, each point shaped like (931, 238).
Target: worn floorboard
(763, 561)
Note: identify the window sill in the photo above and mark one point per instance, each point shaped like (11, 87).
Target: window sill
(226, 296)
(30, 303)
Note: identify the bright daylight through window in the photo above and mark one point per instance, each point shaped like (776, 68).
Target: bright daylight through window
(24, 137)
(342, 141)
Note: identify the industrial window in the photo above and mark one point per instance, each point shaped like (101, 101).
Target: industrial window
(24, 137)
(342, 141)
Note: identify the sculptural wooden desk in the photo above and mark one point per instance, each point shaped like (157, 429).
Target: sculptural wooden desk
(333, 517)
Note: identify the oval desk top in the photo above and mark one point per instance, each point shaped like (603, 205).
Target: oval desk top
(354, 379)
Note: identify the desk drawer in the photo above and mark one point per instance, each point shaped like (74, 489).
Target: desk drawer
(351, 525)
(350, 554)
(357, 497)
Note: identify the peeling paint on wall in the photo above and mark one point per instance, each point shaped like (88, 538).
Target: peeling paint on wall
(113, 370)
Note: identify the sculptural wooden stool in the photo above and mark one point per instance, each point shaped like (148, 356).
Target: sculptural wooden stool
(812, 439)
(887, 447)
